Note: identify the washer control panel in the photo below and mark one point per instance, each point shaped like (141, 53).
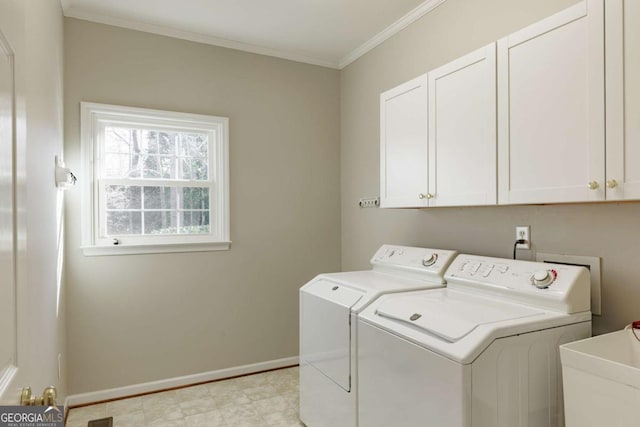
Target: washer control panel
(536, 283)
(542, 278)
(413, 258)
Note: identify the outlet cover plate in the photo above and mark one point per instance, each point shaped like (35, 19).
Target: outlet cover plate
(523, 232)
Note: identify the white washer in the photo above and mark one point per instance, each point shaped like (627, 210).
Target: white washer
(482, 352)
(329, 305)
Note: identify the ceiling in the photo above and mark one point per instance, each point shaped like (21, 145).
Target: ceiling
(331, 33)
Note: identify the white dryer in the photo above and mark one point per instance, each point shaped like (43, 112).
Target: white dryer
(329, 305)
(482, 352)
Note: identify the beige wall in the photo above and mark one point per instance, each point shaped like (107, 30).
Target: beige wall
(140, 318)
(133, 319)
(34, 30)
(610, 231)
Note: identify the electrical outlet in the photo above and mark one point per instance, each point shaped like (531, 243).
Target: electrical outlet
(370, 202)
(523, 232)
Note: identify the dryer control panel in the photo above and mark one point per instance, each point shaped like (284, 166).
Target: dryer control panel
(413, 261)
(557, 287)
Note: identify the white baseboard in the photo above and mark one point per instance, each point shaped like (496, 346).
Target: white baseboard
(153, 386)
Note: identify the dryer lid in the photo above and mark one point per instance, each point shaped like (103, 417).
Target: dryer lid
(450, 315)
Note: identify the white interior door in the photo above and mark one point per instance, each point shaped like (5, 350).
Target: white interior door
(551, 109)
(31, 321)
(403, 145)
(7, 220)
(462, 131)
(623, 99)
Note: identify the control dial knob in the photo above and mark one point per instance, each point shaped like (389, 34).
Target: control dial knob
(429, 259)
(543, 278)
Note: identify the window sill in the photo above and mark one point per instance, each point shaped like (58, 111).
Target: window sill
(154, 248)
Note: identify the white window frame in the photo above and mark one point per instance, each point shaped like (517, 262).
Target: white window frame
(93, 119)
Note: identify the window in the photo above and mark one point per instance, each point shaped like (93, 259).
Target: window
(154, 181)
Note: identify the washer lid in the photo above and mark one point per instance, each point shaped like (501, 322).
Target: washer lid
(450, 315)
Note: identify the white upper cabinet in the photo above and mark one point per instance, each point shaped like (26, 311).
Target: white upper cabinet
(623, 99)
(438, 136)
(551, 109)
(403, 145)
(462, 130)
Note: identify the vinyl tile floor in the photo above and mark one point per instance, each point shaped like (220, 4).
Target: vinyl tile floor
(265, 399)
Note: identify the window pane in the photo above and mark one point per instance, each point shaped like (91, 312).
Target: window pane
(162, 222)
(194, 145)
(118, 152)
(159, 167)
(123, 222)
(160, 198)
(123, 152)
(195, 198)
(195, 222)
(150, 141)
(168, 142)
(117, 165)
(160, 208)
(117, 140)
(168, 167)
(150, 154)
(195, 169)
(123, 197)
(151, 166)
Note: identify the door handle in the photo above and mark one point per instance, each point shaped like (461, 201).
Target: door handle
(48, 397)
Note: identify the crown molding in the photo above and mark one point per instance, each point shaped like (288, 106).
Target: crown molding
(390, 31)
(427, 6)
(74, 12)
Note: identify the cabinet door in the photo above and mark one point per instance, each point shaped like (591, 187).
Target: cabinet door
(551, 109)
(462, 131)
(403, 145)
(623, 99)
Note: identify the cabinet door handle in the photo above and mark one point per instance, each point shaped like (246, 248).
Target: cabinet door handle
(422, 196)
(612, 183)
(593, 185)
(426, 196)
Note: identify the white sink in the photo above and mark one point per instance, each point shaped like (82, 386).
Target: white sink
(601, 377)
